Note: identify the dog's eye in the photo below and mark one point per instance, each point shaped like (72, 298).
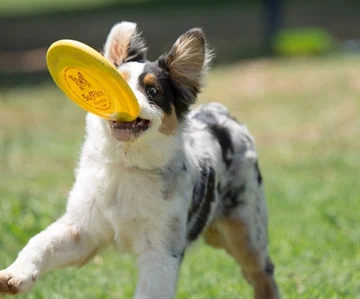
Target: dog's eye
(152, 91)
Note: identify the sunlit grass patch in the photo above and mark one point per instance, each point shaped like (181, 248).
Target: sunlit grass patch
(304, 115)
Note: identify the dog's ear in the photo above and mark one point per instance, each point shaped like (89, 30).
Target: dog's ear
(187, 63)
(124, 44)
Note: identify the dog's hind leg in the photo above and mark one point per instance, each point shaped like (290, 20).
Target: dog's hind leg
(241, 229)
(235, 237)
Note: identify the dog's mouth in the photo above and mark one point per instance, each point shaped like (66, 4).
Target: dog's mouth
(127, 131)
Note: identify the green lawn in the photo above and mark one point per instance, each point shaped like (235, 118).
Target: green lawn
(305, 117)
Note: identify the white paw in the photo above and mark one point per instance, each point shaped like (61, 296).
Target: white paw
(12, 283)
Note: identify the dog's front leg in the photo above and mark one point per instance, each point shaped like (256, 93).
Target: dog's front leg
(158, 271)
(62, 244)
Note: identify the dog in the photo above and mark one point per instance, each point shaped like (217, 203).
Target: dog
(155, 185)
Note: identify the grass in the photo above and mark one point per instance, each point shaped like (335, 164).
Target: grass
(305, 117)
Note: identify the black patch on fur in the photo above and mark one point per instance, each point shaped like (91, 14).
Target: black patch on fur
(164, 97)
(136, 50)
(221, 133)
(258, 173)
(182, 99)
(219, 187)
(232, 197)
(168, 92)
(184, 168)
(187, 88)
(269, 268)
(198, 193)
(224, 138)
(203, 196)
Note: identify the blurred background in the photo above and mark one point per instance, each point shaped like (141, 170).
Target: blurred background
(236, 29)
(289, 69)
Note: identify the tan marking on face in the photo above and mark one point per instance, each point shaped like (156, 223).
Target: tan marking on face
(169, 123)
(125, 75)
(150, 79)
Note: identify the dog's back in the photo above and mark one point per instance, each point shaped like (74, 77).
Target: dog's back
(228, 180)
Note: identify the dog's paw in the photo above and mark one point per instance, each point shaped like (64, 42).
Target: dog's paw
(12, 284)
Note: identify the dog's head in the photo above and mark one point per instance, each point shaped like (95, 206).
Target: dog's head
(165, 89)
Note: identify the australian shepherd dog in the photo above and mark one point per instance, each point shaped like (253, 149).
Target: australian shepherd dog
(155, 185)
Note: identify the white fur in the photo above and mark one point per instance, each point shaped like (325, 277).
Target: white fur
(118, 40)
(115, 200)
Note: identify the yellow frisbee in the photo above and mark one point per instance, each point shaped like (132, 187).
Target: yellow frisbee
(89, 80)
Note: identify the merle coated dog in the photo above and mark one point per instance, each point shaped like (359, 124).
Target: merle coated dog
(155, 185)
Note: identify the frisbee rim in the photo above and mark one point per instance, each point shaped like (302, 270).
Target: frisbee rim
(70, 54)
